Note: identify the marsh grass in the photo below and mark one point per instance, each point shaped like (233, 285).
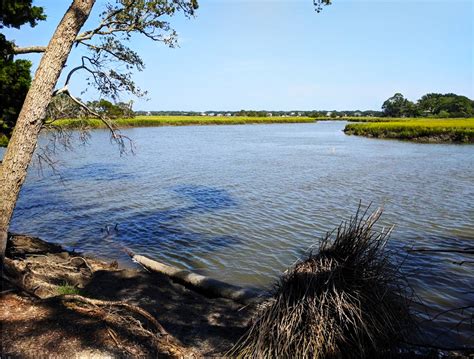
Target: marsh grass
(150, 121)
(364, 119)
(424, 130)
(345, 300)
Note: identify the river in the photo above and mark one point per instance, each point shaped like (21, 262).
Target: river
(242, 203)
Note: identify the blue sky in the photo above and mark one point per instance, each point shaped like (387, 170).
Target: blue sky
(282, 55)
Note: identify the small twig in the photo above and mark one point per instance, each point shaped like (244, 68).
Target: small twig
(439, 347)
(436, 250)
(113, 336)
(452, 310)
(463, 262)
(7, 291)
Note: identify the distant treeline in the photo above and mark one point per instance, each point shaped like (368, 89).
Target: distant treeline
(430, 105)
(264, 113)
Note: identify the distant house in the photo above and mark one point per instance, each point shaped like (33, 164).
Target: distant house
(269, 114)
(219, 115)
(357, 113)
(228, 114)
(148, 113)
(211, 114)
(203, 114)
(328, 114)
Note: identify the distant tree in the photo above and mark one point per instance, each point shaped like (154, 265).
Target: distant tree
(451, 104)
(110, 110)
(398, 106)
(455, 105)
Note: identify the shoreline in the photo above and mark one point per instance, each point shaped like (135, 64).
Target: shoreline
(52, 317)
(206, 326)
(419, 131)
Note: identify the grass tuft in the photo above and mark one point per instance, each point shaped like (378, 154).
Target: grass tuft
(346, 300)
(66, 289)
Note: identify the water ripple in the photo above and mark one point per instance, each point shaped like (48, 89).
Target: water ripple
(241, 203)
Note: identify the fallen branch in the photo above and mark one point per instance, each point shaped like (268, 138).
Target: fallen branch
(209, 286)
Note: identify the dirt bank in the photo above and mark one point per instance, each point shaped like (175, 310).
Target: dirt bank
(33, 327)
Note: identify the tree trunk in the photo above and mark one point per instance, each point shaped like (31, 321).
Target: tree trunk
(25, 135)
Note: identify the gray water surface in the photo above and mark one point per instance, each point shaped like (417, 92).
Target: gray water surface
(242, 203)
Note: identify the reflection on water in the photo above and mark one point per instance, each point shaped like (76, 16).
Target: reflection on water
(241, 203)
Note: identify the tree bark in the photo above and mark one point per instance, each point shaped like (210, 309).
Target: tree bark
(23, 142)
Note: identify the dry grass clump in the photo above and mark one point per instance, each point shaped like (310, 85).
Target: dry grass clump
(346, 300)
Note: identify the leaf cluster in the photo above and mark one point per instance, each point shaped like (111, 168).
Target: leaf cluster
(318, 4)
(15, 75)
(14, 13)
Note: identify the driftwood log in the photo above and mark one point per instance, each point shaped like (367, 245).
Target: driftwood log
(200, 283)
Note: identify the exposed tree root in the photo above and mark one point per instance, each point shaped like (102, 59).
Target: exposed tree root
(122, 315)
(41, 276)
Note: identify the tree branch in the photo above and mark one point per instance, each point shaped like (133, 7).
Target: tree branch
(28, 50)
(116, 136)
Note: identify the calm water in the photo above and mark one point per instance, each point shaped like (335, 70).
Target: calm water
(242, 203)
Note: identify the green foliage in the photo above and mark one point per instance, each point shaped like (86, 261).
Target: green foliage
(398, 106)
(15, 81)
(443, 114)
(14, 13)
(66, 289)
(432, 104)
(15, 75)
(3, 140)
(451, 104)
